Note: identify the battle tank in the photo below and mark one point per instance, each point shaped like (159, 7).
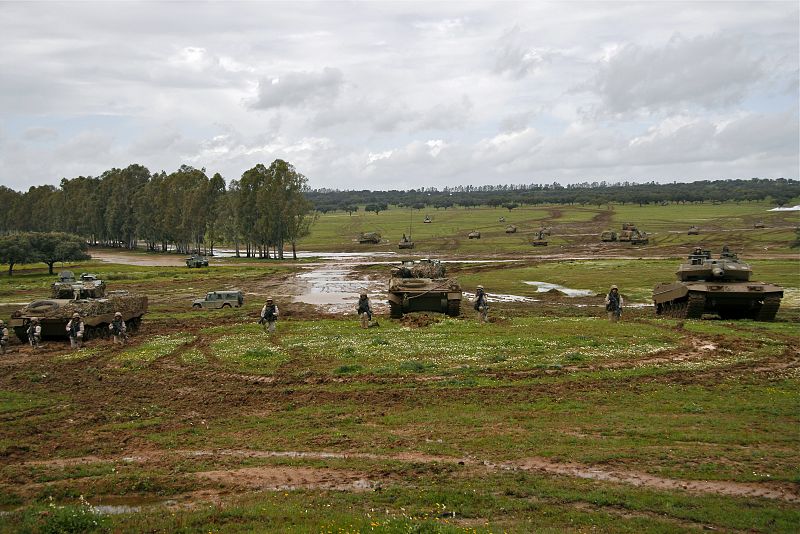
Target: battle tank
(474, 235)
(693, 230)
(369, 237)
(608, 236)
(88, 298)
(719, 286)
(422, 286)
(639, 238)
(511, 229)
(540, 239)
(405, 242)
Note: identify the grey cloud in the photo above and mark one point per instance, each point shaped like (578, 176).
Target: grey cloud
(711, 71)
(40, 133)
(298, 88)
(517, 59)
(448, 116)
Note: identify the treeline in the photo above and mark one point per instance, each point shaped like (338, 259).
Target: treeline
(780, 191)
(185, 211)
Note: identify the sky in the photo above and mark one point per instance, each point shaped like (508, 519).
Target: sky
(401, 95)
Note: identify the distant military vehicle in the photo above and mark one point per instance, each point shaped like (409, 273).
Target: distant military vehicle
(539, 240)
(719, 286)
(422, 286)
(628, 226)
(474, 235)
(369, 237)
(511, 229)
(759, 224)
(220, 299)
(405, 242)
(196, 261)
(501, 219)
(608, 236)
(427, 219)
(545, 231)
(639, 238)
(86, 296)
(693, 230)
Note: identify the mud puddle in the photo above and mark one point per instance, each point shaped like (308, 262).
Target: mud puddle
(336, 288)
(288, 478)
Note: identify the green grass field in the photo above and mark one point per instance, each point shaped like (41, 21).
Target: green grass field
(547, 419)
(727, 223)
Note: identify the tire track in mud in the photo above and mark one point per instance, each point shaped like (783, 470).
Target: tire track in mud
(271, 476)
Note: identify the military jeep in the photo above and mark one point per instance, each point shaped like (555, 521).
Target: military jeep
(220, 299)
(196, 261)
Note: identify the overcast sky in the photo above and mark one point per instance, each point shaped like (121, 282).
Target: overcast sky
(385, 95)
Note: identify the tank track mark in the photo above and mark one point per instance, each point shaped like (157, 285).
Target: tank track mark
(768, 309)
(696, 305)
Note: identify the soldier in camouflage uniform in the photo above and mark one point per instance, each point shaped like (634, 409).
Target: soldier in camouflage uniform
(3, 337)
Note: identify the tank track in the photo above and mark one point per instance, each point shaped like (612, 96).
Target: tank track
(695, 306)
(768, 309)
(454, 308)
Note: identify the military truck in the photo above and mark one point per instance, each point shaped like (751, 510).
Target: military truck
(87, 297)
(693, 230)
(196, 261)
(720, 286)
(511, 229)
(421, 285)
(608, 236)
(369, 238)
(474, 235)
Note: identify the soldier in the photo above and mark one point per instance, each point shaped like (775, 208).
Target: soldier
(614, 304)
(3, 337)
(481, 304)
(35, 333)
(364, 310)
(118, 329)
(269, 316)
(75, 331)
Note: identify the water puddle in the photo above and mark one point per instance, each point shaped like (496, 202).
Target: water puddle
(500, 297)
(334, 288)
(544, 287)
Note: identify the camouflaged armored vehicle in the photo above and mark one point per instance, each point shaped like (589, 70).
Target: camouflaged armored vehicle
(474, 235)
(511, 229)
(693, 230)
(427, 219)
(720, 286)
(545, 231)
(638, 238)
(608, 236)
(68, 287)
(369, 238)
(87, 297)
(759, 224)
(421, 286)
(196, 261)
